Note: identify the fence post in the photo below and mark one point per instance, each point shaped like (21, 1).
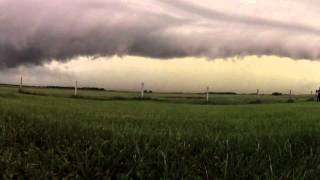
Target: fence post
(20, 87)
(207, 95)
(290, 93)
(142, 89)
(76, 88)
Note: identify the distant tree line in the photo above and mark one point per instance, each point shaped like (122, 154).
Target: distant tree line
(70, 87)
(227, 93)
(57, 87)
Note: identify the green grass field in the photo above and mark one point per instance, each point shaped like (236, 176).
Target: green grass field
(47, 133)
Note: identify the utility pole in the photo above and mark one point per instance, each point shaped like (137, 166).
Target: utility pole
(258, 90)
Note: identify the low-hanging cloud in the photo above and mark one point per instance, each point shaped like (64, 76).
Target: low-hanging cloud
(37, 31)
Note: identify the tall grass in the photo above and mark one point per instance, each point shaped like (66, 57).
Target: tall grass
(48, 137)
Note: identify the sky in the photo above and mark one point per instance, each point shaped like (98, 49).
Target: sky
(171, 45)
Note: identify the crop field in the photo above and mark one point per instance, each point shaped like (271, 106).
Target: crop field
(193, 98)
(48, 133)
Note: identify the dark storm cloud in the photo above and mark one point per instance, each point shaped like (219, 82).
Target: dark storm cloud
(36, 31)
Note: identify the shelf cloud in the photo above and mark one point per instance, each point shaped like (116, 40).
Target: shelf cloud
(38, 31)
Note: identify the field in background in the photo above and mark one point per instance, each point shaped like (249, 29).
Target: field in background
(196, 98)
(46, 133)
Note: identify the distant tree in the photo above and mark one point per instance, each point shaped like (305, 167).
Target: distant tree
(276, 94)
(147, 91)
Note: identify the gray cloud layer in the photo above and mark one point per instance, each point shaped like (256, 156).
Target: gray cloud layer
(251, 21)
(36, 31)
